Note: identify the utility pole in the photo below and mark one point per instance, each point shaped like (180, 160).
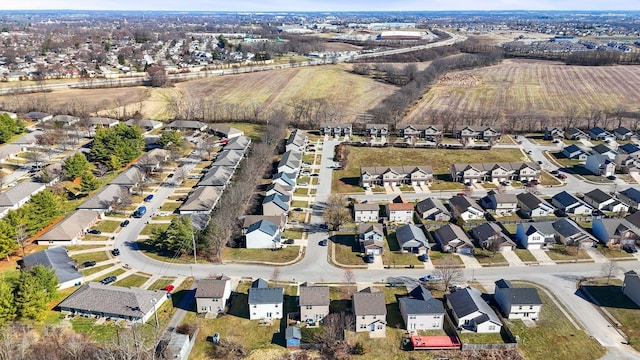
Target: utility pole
(193, 241)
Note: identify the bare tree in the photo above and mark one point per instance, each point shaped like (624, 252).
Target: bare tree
(22, 238)
(336, 212)
(450, 272)
(609, 269)
(349, 278)
(275, 275)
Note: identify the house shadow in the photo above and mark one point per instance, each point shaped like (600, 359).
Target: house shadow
(337, 306)
(607, 296)
(239, 305)
(184, 299)
(346, 240)
(352, 181)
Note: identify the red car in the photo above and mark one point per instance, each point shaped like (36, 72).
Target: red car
(169, 288)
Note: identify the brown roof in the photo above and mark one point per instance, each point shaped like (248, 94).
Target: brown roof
(314, 295)
(369, 302)
(366, 207)
(279, 220)
(400, 206)
(211, 288)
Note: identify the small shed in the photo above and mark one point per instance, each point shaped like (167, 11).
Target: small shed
(292, 336)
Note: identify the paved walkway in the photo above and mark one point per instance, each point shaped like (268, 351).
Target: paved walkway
(86, 251)
(102, 273)
(596, 256)
(512, 258)
(469, 261)
(542, 257)
(377, 263)
(152, 279)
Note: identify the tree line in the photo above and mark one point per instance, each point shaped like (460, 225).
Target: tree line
(27, 297)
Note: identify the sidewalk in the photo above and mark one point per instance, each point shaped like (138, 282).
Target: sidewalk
(377, 263)
(542, 257)
(512, 258)
(597, 257)
(469, 261)
(86, 251)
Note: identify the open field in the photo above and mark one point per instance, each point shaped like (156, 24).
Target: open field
(346, 181)
(517, 86)
(349, 93)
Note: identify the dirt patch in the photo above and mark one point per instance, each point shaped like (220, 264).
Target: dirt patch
(460, 80)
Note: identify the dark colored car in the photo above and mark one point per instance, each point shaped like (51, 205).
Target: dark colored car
(297, 209)
(369, 258)
(108, 280)
(611, 177)
(124, 223)
(95, 232)
(115, 252)
(324, 242)
(148, 198)
(88, 264)
(630, 249)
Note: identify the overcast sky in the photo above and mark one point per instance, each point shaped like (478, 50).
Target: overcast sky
(320, 5)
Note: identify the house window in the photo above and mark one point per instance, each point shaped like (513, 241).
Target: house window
(255, 306)
(203, 308)
(380, 327)
(531, 307)
(363, 326)
(492, 327)
(374, 317)
(363, 317)
(435, 325)
(276, 305)
(309, 307)
(519, 307)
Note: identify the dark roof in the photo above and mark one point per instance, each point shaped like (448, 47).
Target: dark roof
(572, 148)
(125, 301)
(503, 284)
(469, 300)
(421, 302)
(598, 195)
(629, 148)
(428, 204)
(567, 227)
(631, 193)
(211, 288)
(314, 295)
(565, 199)
(451, 232)
(531, 200)
(369, 302)
(260, 283)
(486, 230)
(55, 258)
(622, 130)
(522, 296)
(264, 295)
(410, 232)
(601, 148)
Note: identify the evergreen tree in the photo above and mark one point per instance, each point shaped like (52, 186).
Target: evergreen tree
(7, 239)
(177, 237)
(117, 146)
(7, 305)
(89, 182)
(171, 137)
(30, 298)
(75, 165)
(46, 279)
(43, 208)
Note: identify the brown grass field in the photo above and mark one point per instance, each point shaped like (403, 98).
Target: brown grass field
(521, 86)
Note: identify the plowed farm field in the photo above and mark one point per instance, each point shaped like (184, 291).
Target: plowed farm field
(525, 86)
(348, 93)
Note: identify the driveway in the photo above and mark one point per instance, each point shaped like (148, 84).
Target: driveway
(512, 258)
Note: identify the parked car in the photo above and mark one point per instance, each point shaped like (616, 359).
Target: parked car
(304, 183)
(124, 223)
(506, 183)
(95, 232)
(324, 242)
(108, 280)
(170, 176)
(630, 249)
(87, 264)
(555, 172)
(297, 209)
(148, 198)
(288, 241)
(115, 252)
(431, 277)
(315, 174)
(369, 258)
(562, 176)
(611, 177)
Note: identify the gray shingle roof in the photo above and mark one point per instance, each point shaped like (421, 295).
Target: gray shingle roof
(421, 302)
(20, 192)
(204, 198)
(518, 296)
(469, 300)
(216, 176)
(71, 226)
(211, 288)
(129, 177)
(314, 295)
(598, 195)
(55, 258)
(238, 143)
(264, 226)
(411, 235)
(228, 158)
(264, 295)
(369, 302)
(96, 297)
(103, 199)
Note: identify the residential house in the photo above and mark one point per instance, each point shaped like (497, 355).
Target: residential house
(462, 206)
(212, 294)
(370, 311)
(575, 134)
(70, 229)
(626, 163)
(421, 311)
(622, 133)
(241, 143)
(284, 179)
(553, 133)
(598, 133)
(274, 205)
(144, 124)
(603, 201)
(570, 204)
(500, 204)
(630, 196)
(189, 125)
(471, 312)
(396, 175)
(38, 116)
(631, 286)
(399, 210)
(535, 235)
(201, 201)
(412, 239)
(291, 162)
(106, 199)
(533, 206)
(484, 133)
(153, 160)
(102, 122)
(604, 150)
(265, 302)
(491, 235)
(56, 258)
(297, 141)
(263, 234)
(432, 209)
(129, 303)
(249, 220)
(600, 165)
(65, 120)
(130, 178)
(278, 188)
(225, 131)
(366, 212)
(230, 158)
(571, 234)
(217, 176)
(18, 195)
(334, 129)
(377, 129)
(573, 151)
(371, 238)
(9, 151)
(314, 303)
(452, 238)
(517, 303)
(630, 149)
(615, 232)
(498, 172)
(427, 132)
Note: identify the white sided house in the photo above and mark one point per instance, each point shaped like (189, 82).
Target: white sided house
(370, 311)
(421, 311)
(265, 302)
(471, 312)
(263, 234)
(517, 303)
(366, 212)
(314, 303)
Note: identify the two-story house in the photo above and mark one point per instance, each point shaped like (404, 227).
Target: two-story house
(535, 235)
(432, 209)
(212, 294)
(400, 210)
(533, 206)
(314, 303)
(370, 237)
(491, 235)
(517, 303)
(471, 312)
(263, 234)
(570, 204)
(366, 212)
(377, 129)
(630, 196)
(421, 311)
(370, 311)
(615, 232)
(335, 129)
(602, 201)
(462, 206)
(575, 134)
(500, 204)
(265, 302)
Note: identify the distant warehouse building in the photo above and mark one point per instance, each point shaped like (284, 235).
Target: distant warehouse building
(400, 35)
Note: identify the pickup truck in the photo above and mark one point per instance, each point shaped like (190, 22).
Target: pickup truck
(431, 277)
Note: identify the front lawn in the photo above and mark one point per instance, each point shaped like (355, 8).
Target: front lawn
(115, 273)
(614, 253)
(293, 234)
(283, 255)
(94, 269)
(170, 206)
(92, 256)
(561, 252)
(439, 258)
(299, 204)
(160, 284)
(133, 280)
(347, 250)
(107, 226)
(486, 257)
(393, 257)
(148, 229)
(554, 336)
(525, 255)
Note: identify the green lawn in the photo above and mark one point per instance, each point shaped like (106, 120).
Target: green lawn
(276, 256)
(474, 338)
(392, 255)
(554, 337)
(301, 192)
(82, 247)
(486, 257)
(614, 253)
(94, 269)
(439, 258)
(134, 280)
(347, 250)
(561, 252)
(148, 229)
(160, 284)
(115, 273)
(254, 131)
(107, 226)
(170, 206)
(344, 181)
(92, 256)
(524, 255)
(299, 203)
(293, 234)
